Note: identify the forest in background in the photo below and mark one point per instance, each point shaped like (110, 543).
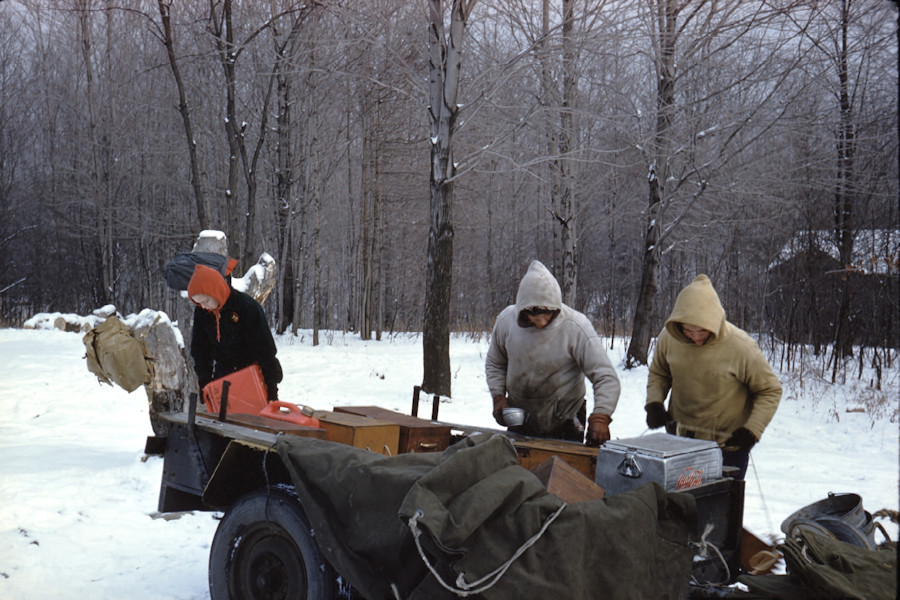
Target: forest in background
(629, 145)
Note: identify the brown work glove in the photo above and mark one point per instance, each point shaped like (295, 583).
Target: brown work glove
(598, 429)
(500, 403)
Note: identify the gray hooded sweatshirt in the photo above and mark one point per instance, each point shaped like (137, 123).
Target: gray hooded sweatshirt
(543, 370)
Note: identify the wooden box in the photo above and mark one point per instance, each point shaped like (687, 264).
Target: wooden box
(534, 451)
(275, 426)
(416, 435)
(354, 430)
(567, 484)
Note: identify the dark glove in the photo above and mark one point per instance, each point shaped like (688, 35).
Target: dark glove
(656, 415)
(273, 392)
(742, 438)
(598, 429)
(500, 403)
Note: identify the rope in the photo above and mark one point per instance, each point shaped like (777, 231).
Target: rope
(464, 588)
(266, 473)
(761, 496)
(703, 546)
(883, 531)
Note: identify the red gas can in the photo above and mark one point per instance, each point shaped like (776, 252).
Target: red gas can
(286, 411)
(246, 393)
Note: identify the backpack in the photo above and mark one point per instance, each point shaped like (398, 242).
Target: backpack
(180, 269)
(115, 355)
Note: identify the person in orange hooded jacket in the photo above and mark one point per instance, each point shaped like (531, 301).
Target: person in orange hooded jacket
(230, 332)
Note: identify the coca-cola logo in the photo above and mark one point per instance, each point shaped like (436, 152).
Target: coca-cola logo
(690, 477)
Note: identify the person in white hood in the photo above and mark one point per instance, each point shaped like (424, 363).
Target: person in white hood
(541, 350)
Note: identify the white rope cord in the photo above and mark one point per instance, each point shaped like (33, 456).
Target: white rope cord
(464, 588)
(804, 552)
(761, 496)
(703, 546)
(266, 471)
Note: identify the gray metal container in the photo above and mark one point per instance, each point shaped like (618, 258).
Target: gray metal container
(676, 463)
(840, 516)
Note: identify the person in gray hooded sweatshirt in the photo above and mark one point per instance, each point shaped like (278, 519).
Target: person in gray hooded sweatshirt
(541, 350)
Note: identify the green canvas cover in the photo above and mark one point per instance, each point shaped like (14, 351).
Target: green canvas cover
(486, 526)
(822, 567)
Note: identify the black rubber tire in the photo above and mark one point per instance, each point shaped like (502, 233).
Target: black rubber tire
(264, 549)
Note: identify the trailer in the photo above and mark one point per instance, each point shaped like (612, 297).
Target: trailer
(275, 539)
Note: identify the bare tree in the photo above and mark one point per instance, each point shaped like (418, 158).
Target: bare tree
(166, 36)
(329, 163)
(564, 199)
(852, 37)
(560, 142)
(683, 159)
(369, 212)
(444, 65)
(243, 162)
(285, 214)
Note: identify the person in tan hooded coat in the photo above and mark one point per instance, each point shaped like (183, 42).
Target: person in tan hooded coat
(541, 350)
(722, 387)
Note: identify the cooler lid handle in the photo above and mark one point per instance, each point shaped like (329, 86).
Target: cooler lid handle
(629, 466)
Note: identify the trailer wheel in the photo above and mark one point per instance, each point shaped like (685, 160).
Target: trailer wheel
(264, 549)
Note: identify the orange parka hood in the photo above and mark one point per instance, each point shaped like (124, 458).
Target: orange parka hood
(210, 282)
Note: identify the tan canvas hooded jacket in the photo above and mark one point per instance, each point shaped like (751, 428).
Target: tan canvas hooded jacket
(720, 386)
(543, 370)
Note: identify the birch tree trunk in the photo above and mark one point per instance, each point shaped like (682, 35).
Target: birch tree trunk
(444, 63)
(558, 107)
(550, 103)
(567, 204)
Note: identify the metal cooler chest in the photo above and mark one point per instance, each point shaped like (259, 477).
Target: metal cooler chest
(676, 463)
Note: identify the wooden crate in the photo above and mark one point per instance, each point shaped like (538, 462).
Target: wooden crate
(273, 425)
(567, 484)
(416, 435)
(532, 452)
(372, 434)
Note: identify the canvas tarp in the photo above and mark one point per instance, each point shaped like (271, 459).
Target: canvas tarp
(180, 269)
(822, 567)
(476, 508)
(115, 355)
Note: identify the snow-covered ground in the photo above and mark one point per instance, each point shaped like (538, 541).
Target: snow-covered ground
(78, 497)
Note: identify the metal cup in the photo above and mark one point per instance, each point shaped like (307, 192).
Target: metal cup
(513, 417)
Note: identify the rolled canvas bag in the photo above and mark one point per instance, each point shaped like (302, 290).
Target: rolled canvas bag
(180, 269)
